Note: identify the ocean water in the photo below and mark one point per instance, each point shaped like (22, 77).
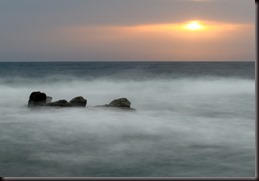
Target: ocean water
(192, 119)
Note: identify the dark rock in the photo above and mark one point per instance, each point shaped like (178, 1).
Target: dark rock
(78, 102)
(118, 104)
(121, 102)
(37, 98)
(60, 103)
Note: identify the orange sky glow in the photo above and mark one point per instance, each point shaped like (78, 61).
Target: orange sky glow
(188, 40)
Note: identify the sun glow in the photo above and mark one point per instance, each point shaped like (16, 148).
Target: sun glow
(194, 26)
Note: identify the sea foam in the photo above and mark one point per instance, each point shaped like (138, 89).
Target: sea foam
(181, 127)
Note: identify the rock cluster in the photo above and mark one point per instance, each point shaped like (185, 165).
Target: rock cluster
(38, 98)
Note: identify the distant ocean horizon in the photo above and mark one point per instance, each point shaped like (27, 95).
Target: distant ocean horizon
(192, 119)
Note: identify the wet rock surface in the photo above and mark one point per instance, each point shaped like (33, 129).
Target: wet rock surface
(60, 103)
(121, 102)
(78, 102)
(37, 98)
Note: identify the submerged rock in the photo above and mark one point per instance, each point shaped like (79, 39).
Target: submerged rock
(37, 98)
(60, 103)
(78, 102)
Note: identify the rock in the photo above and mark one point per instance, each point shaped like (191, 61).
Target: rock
(118, 104)
(121, 102)
(37, 98)
(78, 102)
(60, 103)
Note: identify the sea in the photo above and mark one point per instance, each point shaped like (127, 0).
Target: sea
(192, 120)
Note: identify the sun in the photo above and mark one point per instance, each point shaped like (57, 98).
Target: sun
(193, 26)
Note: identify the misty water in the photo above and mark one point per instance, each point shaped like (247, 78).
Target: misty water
(191, 120)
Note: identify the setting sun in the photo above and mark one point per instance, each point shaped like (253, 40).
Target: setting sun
(193, 26)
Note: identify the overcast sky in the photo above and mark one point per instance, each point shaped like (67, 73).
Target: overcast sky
(127, 30)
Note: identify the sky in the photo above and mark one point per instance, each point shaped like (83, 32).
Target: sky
(127, 30)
